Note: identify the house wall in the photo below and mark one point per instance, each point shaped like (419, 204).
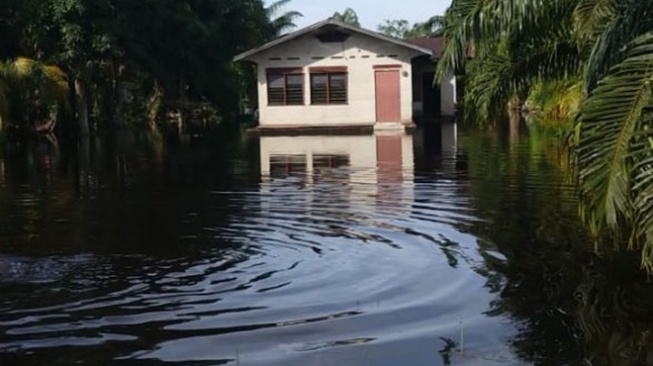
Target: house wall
(359, 53)
(448, 94)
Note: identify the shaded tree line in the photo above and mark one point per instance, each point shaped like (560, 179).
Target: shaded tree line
(100, 63)
(398, 28)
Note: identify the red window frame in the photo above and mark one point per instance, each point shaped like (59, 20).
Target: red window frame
(285, 73)
(328, 71)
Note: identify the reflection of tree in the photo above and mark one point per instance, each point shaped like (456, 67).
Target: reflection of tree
(574, 307)
(122, 191)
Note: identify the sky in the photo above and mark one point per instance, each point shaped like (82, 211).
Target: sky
(370, 12)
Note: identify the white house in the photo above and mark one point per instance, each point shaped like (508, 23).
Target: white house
(334, 75)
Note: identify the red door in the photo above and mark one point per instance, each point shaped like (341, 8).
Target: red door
(388, 97)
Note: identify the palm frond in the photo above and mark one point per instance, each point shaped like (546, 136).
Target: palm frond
(273, 9)
(517, 64)
(632, 18)
(643, 204)
(285, 22)
(457, 37)
(481, 24)
(592, 16)
(489, 88)
(281, 23)
(606, 151)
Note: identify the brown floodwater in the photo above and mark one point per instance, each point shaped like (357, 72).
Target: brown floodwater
(444, 247)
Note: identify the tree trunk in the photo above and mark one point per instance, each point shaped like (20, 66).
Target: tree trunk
(154, 105)
(119, 97)
(82, 108)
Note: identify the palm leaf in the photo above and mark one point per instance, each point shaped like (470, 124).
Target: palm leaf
(643, 195)
(523, 59)
(609, 123)
(591, 16)
(457, 37)
(481, 24)
(281, 23)
(490, 86)
(285, 22)
(631, 19)
(273, 9)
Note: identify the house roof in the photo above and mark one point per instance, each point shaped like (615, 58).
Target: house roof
(436, 44)
(338, 25)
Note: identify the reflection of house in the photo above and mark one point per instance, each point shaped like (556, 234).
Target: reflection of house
(283, 156)
(367, 159)
(335, 75)
(436, 146)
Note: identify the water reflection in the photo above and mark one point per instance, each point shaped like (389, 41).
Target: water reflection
(390, 153)
(362, 250)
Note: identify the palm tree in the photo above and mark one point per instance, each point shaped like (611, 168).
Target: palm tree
(608, 46)
(614, 141)
(509, 56)
(281, 22)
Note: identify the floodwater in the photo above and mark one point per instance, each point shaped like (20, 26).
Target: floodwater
(444, 247)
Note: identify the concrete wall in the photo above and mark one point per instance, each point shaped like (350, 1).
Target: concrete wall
(448, 94)
(359, 53)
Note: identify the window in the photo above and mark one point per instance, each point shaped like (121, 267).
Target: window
(285, 87)
(329, 85)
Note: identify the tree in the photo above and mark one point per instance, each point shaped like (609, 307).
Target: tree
(182, 50)
(395, 28)
(401, 28)
(430, 28)
(348, 16)
(281, 22)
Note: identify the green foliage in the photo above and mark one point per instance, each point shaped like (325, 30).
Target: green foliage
(552, 51)
(348, 16)
(555, 100)
(401, 28)
(116, 51)
(31, 93)
(397, 28)
(613, 148)
(281, 22)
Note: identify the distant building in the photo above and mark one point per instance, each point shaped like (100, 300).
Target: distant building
(334, 75)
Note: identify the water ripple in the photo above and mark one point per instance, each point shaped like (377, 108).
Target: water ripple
(325, 263)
